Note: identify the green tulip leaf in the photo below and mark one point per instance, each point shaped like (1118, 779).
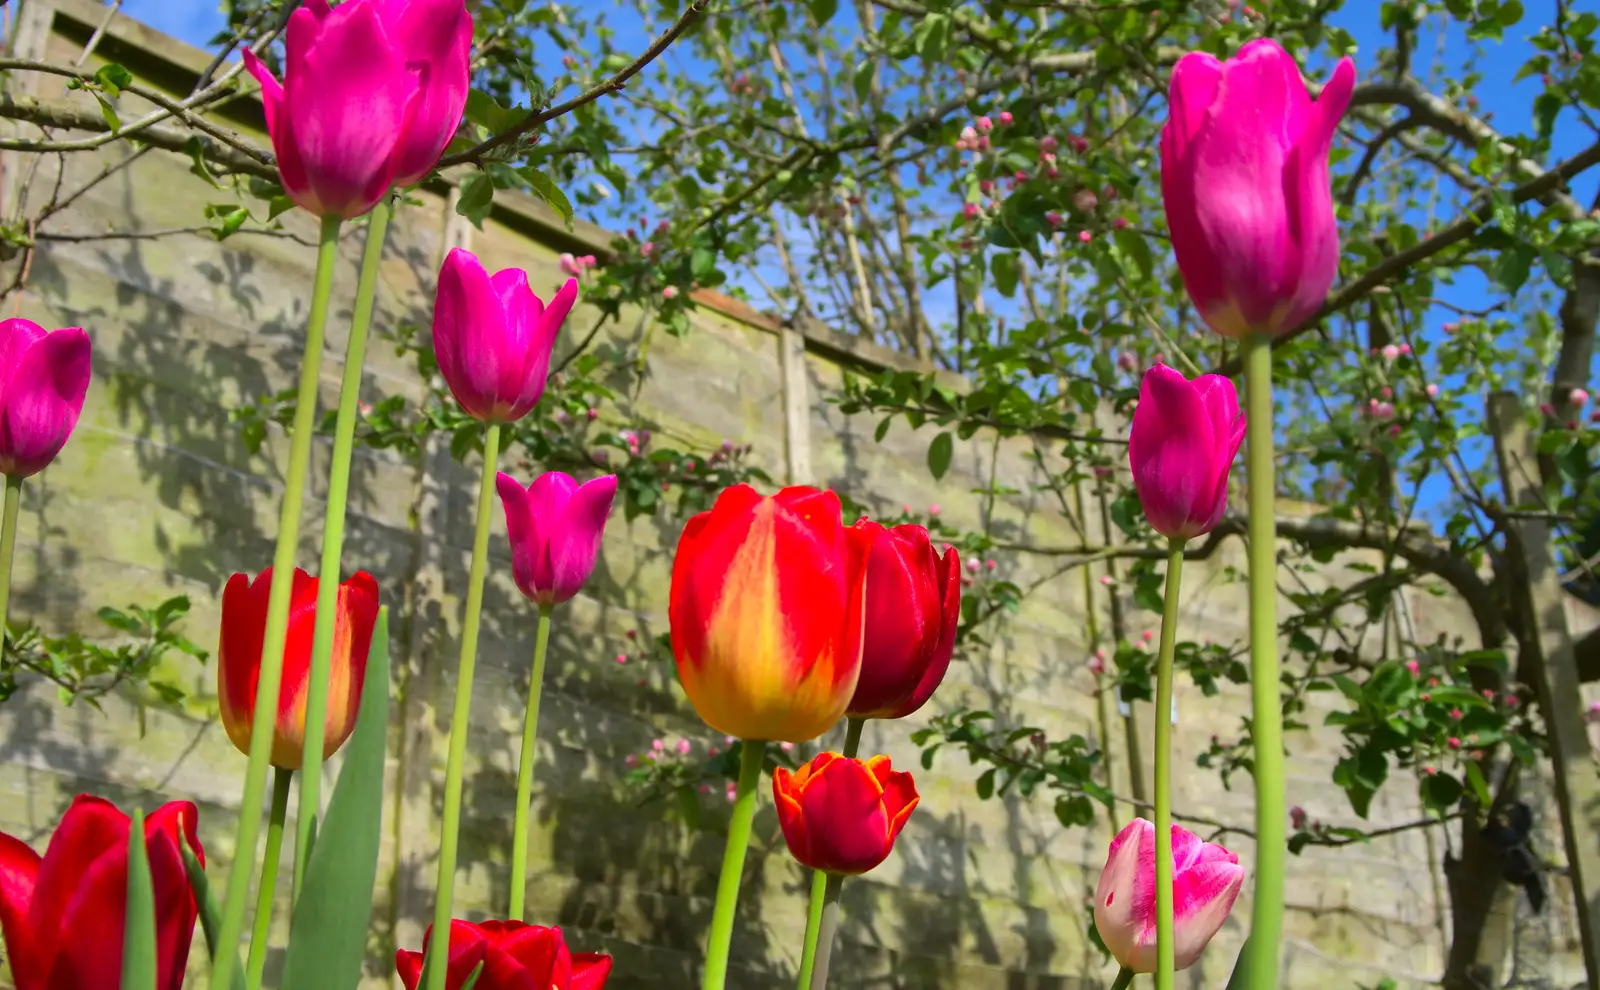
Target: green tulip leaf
(139, 923)
(327, 939)
(210, 912)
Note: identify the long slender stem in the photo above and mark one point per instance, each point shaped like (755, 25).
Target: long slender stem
(450, 836)
(224, 958)
(752, 753)
(1266, 712)
(1124, 979)
(344, 432)
(8, 541)
(530, 729)
(1091, 616)
(268, 888)
(829, 922)
(817, 931)
(808, 953)
(1165, 947)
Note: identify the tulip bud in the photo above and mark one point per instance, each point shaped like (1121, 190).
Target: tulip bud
(554, 526)
(1182, 443)
(766, 613)
(43, 379)
(372, 95)
(842, 815)
(244, 626)
(1244, 178)
(913, 605)
(508, 955)
(1205, 881)
(492, 337)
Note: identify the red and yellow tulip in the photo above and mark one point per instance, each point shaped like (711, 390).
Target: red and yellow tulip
(842, 815)
(766, 613)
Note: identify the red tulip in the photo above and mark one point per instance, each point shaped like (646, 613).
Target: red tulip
(913, 605)
(515, 956)
(842, 815)
(766, 613)
(44, 376)
(244, 625)
(62, 915)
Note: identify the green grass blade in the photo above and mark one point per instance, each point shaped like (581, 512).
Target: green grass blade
(210, 911)
(139, 923)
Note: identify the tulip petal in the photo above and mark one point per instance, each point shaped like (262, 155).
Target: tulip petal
(590, 970)
(903, 619)
(42, 400)
(288, 737)
(845, 804)
(1170, 450)
(786, 787)
(408, 966)
(1124, 899)
(16, 336)
(522, 376)
(538, 952)
(175, 907)
(900, 797)
(1221, 403)
(356, 617)
(548, 497)
(575, 539)
(244, 622)
(91, 828)
(468, 948)
(436, 38)
(546, 324)
(348, 101)
(291, 170)
(1195, 80)
(469, 332)
(1309, 195)
(19, 870)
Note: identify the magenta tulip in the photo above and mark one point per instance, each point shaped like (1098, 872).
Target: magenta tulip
(1205, 881)
(43, 379)
(492, 337)
(1244, 177)
(372, 92)
(1183, 441)
(913, 606)
(555, 525)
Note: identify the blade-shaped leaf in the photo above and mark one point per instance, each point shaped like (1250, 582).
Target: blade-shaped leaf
(328, 937)
(139, 923)
(210, 912)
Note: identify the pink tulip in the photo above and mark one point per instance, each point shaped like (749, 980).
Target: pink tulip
(372, 93)
(555, 525)
(1183, 441)
(1205, 881)
(492, 337)
(1244, 178)
(43, 379)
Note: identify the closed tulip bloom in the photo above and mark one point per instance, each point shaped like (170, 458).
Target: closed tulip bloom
(62, 914)
(555, 525)
(913, 605)
(244, 624)
(842, 815)
(514, 956)
(766, 615)
(1205, 881)
(492, 337)
(43, 379)
(373, 90)
(1244, 178)
(1183, 441)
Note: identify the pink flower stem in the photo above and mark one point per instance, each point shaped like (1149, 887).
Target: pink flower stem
(822, 917)
(460, 716)
(1165, 931)
(8, 540)
(1266, 923)
(530, 729)
(224, 956)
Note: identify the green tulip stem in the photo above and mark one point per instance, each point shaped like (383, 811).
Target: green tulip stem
(344, 432)
(268, 888)
(530, 729)
(8, 541)
(450, 837)
(1124, 979)
(752, 753)
(1266, 711)
(1165, 932)
(225, 957)
(823, 887)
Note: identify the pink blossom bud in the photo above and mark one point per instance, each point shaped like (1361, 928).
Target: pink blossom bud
(569, 265)
(983, 143)
(1488, 694)
(986, 186)
(1432, 390)
(684, 747)
(989, 564)
(1006, 118)
(1297, 817)
(1053, 218)
(1455, 743)
(622, 658)
(934, 510)
(658, 745)
(1390, 352)
(1450, 327)
(1547, 409)
(969, 135)
(1105, 579)
(970, 211)
(1578, 397)
(1119, 223)
(985, 125)
(1386, 392)
(1085, 201)
(1085, 236)
(647, 248)
(1078, 144)
(670, 292)
(631, 760)
(1097, 666)
(1126, 361)
(1425, 696)
(1147, 636)
(1412, 667)
(1592, 713)
(1048, 144)
(1455, 713)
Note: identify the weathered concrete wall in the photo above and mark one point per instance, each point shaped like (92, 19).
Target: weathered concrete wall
(157, 494)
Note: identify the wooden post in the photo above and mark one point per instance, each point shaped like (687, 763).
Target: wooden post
(796, 406)
(1538, 600)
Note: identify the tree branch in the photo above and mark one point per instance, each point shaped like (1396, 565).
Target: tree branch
(54, 114)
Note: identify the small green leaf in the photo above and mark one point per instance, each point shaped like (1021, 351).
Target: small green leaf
(939, 454)
(113, 78)
(139, 924)
(109, 113)
(1006, 275)
(210, 913)
(477, 197)
(1480, 787)
(986, 784)
(327, 941)
(883, 429)
(546, 189)
(472, 978)
(822, 11)
(1136, 249)
(1440, 792)
(863, 78)
(484, 109)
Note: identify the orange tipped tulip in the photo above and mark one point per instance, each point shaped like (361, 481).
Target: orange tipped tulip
(841, 815)
(244, 624)
(766, 613)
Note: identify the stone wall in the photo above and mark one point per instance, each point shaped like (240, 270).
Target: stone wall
(156, 494)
